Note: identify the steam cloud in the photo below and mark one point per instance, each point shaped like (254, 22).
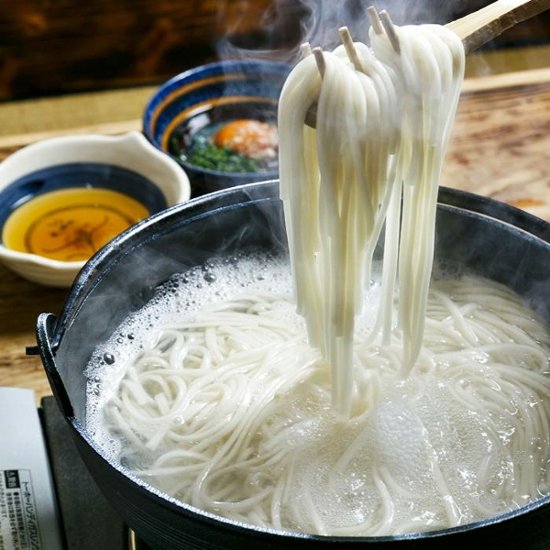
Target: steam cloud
(289, 23)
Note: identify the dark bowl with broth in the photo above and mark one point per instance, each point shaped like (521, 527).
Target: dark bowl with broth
(474, 234)
(219, 122)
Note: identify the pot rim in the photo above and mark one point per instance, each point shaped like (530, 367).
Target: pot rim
(51, 331)
(95, 268)
(204, 516)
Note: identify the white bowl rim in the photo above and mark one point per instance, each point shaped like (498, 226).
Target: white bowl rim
(98, 148)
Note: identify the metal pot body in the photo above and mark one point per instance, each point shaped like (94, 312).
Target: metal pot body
(474, 234)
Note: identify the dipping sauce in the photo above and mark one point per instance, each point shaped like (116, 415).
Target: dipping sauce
(70, 224)
(240, 139)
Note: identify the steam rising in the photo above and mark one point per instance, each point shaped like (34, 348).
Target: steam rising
(286, 24)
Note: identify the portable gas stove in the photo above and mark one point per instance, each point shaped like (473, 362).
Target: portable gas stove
(88, 520)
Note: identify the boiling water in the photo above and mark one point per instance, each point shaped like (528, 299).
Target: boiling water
(212, 394)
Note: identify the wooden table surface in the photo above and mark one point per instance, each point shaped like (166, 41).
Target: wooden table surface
(500, 148)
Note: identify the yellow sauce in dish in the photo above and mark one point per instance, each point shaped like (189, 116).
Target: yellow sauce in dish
(70, 224)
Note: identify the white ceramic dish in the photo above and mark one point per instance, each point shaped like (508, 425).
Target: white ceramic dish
(131, 151)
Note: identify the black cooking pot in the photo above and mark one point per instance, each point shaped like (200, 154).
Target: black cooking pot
(473, 234)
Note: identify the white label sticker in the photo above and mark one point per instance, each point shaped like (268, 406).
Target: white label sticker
(18, 514)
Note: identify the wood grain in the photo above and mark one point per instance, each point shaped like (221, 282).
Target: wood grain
(56, 47)
(20, 304)
(501, 142)
(69, 45)
(486, 24)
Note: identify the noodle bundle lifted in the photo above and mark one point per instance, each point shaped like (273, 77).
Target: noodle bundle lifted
(435, 409)
(383, 124)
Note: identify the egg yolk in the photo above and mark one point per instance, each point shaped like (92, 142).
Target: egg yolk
(250, 138)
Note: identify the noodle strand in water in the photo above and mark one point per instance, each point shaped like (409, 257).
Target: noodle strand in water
(228, 408)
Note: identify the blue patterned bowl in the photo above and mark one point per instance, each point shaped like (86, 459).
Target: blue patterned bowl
(226, 90)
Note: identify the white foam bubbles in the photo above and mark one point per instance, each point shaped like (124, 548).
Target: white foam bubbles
(442, 447)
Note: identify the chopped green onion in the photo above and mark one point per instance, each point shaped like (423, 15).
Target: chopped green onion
(209, 156)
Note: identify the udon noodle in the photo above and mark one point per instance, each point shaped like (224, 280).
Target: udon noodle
(226, 406)
(381, 133)
(434, 411)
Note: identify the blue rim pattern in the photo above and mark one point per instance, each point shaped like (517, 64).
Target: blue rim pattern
(80, 174)
(250, 78)
(259, 80)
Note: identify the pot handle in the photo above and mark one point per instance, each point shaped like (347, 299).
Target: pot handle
(45, 326)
